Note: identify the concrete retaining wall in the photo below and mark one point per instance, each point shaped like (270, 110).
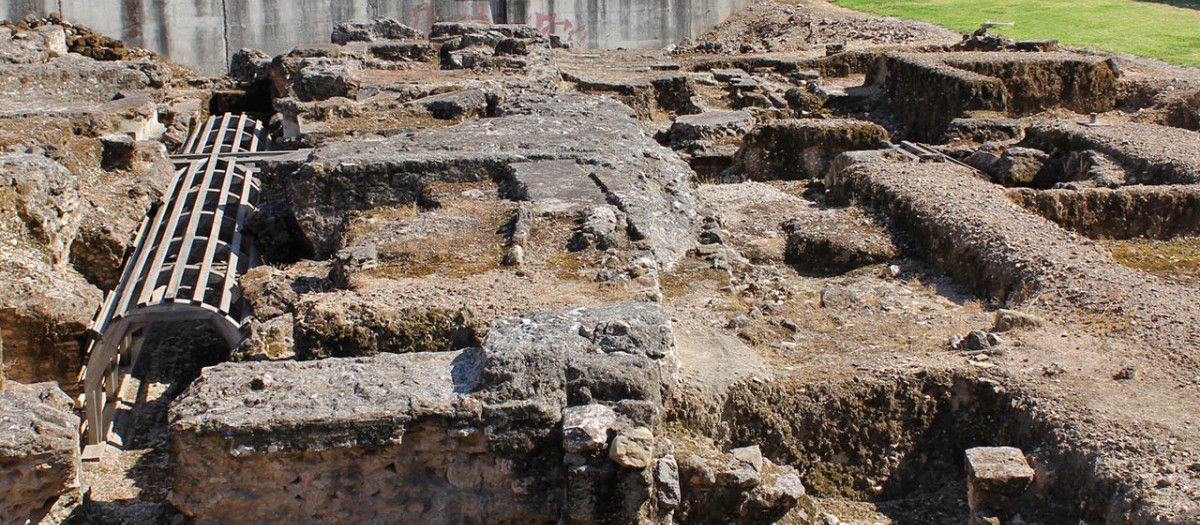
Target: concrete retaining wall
(202, 34)
(623, 23)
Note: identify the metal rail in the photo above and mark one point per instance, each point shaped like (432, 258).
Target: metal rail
(189, 251)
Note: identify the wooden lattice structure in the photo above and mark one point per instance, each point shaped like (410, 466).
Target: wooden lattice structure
(188, 254)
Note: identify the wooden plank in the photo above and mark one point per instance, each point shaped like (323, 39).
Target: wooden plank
(256, 137)
(150, 281)
(236, 246)
(198, 139)
(150, 245)
(109, 309)
(214, 233)
(241, 155)
(185, 249)
(236, 143)
(189, 234)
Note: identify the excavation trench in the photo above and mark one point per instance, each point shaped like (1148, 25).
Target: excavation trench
(897, 440)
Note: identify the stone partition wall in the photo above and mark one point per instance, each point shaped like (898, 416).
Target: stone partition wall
(203, 34)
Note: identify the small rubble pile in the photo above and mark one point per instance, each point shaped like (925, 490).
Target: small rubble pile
(739, 487)
(485, 47)
(36, 40)
(380, 78)
(779, 27)
(378, 29)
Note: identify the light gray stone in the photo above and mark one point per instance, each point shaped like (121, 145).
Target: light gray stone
(585, 428)
(751, 456)
(633, 448)
(996, 475)
(1009, 320)
(666, 478)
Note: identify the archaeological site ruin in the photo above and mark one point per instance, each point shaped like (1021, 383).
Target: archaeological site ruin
(740, 262)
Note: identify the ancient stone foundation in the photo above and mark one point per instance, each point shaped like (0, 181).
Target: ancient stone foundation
(446, 437)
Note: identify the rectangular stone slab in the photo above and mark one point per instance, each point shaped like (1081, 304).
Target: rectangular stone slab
(556, 187)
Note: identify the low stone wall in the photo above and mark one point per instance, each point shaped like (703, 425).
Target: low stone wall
(934, 88)
(554, 416)
(802, 149)
(1155, 212)
(932, 93)
(1036, 81)
(969, 227)
(1151, 154)
(966, 224)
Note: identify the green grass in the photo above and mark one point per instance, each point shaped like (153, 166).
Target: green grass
(1166, 31)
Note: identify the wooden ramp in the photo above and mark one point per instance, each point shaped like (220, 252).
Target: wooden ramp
(187, 257)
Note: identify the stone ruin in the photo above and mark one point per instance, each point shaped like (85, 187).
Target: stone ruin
(861, 271)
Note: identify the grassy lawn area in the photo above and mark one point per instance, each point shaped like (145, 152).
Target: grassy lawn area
(1167, 31)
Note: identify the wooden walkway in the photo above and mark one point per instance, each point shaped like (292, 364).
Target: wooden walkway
(187, 257)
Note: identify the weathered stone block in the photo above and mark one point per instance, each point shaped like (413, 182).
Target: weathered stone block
(556, 187)
(404, 51)
(633, 448)
(801, 149)
(996, 475)
(585, 428)
(444, 437)
(39, 450)
(710, 125)
(378, 29)
(346, 324)
(460, 105)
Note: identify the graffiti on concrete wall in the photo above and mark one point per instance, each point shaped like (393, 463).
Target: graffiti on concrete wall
(549, 24)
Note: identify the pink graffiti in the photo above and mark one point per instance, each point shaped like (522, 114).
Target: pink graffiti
(548, 24)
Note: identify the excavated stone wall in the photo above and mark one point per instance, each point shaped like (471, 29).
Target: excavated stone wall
(989, 243)
(1155, 212)
(601, 135)
(1037, 81)
(934, 88)
(1151, 154)
(932, 92)
(551, 401)
(395, 429)
(802, 149)
(901, 435)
